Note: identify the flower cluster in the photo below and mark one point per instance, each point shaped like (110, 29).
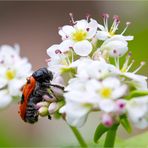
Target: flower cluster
(13, 73)
(83, 62)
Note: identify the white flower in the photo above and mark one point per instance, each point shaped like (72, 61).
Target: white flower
(115, 46)
(79, 36)
(105, 33)
(76, 114)
(108, 91)
(137, 109)
(83, 96)
(88, 68)
(139, 81)
(14, 71)
(58, 58)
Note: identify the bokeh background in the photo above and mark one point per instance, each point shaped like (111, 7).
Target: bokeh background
(34, 25)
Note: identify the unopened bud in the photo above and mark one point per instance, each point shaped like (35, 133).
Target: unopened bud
(52, 108)
(42, 104)
(107, 120)
(121, 105)
(49, 99)
(43, 111)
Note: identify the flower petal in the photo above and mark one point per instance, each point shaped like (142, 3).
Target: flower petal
(5, 99)
(76, 114)
(66, 45)
(141, 81)
(15, 87)
(51, 50)
(68, 30)
(81, 24)
(102, 35)
(92, 28)
(83, 48)
(107, 105)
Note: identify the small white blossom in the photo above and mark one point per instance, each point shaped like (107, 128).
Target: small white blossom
(105, 33)
(79, 35)
(83, 96)
(88, 68)
(137, 109)
(14, 71)
(115, 46)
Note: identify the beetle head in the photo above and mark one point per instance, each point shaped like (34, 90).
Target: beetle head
(43, 75)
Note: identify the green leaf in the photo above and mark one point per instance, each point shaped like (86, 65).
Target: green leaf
(100, 130)
(111, 136)
(136, 93)
(125, 123)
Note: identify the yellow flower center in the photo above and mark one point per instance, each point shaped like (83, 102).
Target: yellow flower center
(105, 92)
(111, 33)
(79, 35)
(10, 74)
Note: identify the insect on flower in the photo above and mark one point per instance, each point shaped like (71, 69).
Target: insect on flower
(36, 87)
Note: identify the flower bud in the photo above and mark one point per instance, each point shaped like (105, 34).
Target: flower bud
(42, 104)
(43, 111)
(120, 105)
(49, 99)
(52, 108)
(107, 120)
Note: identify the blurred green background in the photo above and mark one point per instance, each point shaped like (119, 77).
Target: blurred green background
(34, 25)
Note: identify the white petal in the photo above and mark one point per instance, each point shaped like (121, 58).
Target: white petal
(111, 82)
(107, 105)
(68, 30)
(15, 87)
(102, 35)
(83, 48)
(92, 28)
(51, 50)
(5, 99)
(82, 24)
(143, 123)
(116, 38)
(129, 38)
(3, 82)
(9, 50)
(101, 27)
(141, 81)
(76, 114)
(119, 92)
(115, 48)
(21, 66)
(66, 45)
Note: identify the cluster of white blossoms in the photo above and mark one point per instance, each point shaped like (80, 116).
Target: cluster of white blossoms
(13, 73)
(83, 64)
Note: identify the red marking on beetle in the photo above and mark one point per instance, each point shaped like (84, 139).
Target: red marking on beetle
(27, 90)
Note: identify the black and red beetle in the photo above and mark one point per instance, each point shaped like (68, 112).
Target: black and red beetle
(33, 91)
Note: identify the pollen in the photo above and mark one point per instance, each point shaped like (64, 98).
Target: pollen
(105, 92)
(10, 74)
(79, 35)
(111, 33)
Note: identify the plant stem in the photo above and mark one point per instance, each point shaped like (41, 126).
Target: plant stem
(78, 136)
(110, 137)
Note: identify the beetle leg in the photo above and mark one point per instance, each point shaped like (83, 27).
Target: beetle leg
(53, 85)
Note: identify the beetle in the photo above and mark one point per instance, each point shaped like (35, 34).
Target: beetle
(36, 87)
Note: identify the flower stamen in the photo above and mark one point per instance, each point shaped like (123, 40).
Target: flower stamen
(127, 24)
(141, 65)
(72, 18)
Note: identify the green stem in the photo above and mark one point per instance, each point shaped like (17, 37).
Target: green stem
(78, 136)
(111, 135)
